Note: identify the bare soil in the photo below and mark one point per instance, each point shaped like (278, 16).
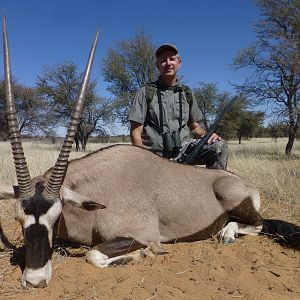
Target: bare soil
(251, 268)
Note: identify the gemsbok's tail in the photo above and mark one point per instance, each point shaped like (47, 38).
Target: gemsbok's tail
(282, 232)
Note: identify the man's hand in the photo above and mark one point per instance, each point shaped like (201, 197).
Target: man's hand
(214, 138)
(199, 132)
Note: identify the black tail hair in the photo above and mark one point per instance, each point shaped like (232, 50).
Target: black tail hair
(283, 232)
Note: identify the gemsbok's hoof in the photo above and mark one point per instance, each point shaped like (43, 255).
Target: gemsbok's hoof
(228, 240)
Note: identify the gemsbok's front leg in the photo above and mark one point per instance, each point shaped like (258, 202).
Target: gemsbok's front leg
(114, 252)
(120, 251)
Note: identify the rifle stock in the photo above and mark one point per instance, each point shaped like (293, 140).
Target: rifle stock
(189, 158)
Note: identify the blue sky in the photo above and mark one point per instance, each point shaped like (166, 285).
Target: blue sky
(208, 34)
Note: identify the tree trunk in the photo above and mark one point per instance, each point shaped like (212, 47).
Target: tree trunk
(76, 138)
(292, 136)
(293, 123)
(83, 143)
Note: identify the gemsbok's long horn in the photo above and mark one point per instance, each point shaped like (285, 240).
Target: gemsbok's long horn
(23, 175)
(58, 173)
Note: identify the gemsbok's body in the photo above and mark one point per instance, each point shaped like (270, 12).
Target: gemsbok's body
(150, 199)
(124, 198)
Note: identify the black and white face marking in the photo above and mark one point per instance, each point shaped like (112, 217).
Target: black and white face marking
(37, 216)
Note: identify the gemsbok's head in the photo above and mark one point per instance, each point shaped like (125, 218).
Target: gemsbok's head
(39, 204)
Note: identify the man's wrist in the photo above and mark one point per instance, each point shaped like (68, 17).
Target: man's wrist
(198, 132)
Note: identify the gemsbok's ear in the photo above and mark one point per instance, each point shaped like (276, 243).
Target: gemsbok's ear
(8, 192)
(79, 200)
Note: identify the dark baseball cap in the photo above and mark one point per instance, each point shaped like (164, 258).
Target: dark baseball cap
(165, 47)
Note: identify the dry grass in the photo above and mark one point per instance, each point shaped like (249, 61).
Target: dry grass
(39, 156)
(261, 161)
(277, 176)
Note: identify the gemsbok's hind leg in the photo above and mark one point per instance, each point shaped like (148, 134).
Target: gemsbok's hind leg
(241, 201)
(243, 220)
(229, 233)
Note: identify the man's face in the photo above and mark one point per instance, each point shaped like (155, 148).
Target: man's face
(168, 63)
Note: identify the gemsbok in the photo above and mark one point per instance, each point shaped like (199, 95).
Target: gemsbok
(124, 201)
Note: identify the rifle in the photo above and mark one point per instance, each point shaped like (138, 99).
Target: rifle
(190, 155)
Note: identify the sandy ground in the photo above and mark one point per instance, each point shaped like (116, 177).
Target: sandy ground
(251, 268)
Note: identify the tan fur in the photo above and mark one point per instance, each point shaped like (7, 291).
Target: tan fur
(149, 198)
